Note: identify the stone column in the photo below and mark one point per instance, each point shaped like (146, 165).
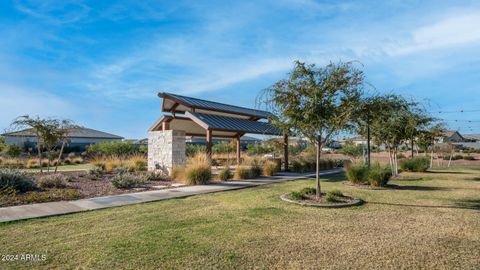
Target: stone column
(166, 149)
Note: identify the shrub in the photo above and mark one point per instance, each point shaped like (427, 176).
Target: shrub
(13, 150)
(469, 158)
(242, 172)
(17, 180)
(53, 181)
(96, 173)
(32, 163)
(270, 168)
(77, 160)
(112, 148)
(336, 192)
(330, 197)
(296, 166)
(127, 180)
(67, 161)
(309, 191)
(40, 196)
(198, 170)
(225, 173)
(297, 196)
(357, 173)
(416, 164)
(177, 173)
(255, 171)
(138, 163)
(379, 176)
(13, 163)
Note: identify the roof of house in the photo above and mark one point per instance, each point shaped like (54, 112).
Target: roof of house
(74, 133)
(179, 104)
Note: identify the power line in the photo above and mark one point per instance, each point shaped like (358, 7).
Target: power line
(460, 111)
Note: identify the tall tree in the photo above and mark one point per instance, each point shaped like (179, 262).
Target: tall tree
(315, 102)
(427, 138)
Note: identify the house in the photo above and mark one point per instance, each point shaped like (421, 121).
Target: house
(452, 137)
(355, 140)
(79, 138)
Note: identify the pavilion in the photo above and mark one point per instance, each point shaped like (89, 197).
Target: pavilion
(197, 117)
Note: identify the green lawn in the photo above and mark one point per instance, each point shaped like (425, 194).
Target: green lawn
(64, 168)
(432, 223)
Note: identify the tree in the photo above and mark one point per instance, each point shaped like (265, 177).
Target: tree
(13, 150)
(352, 150)
(427, 138)
(315, 102)
(2, 143)
(49, 133)
(63, 131)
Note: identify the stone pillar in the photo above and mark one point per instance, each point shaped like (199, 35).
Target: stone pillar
(166, 149)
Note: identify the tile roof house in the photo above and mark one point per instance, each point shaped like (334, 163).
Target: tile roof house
(78, 138)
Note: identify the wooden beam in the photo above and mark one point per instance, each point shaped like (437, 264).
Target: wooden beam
(165, 125)
(209, 144)
(285, 151)
(238, 150)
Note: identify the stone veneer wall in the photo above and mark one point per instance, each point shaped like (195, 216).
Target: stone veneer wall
(165, 150)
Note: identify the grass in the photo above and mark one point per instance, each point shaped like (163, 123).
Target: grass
(65, 168)
(431, 223)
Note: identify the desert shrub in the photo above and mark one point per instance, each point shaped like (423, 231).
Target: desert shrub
(330, 197)
(45, 163)
(255, 171)
(127, 180)
(242, 172)
(379, 176)
(17, 180)
(270, 168)
(309, 191)
(45, 196)
(193, 149)
(77, 160)
(296, 195)
(157, 176)
(120, 170)
(13, 150)
(336, 192)
(96, 173)
(416, 164)
(296, 166)
(32, 163)
(198, 170)
(257, 149)
(468, 157)
(177, 173)
(225, 173)
(53, 181)
(357, 173)
(67, 161)
(13, 163)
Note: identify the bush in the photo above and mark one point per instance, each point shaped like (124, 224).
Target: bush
(12, 150)
(270, 168)
(416, 164)
(379, 176)
(33, 163)
(127, 180)
(198, 170)
(309, 191)
(336, 192)
(96, 173)
(297, 196)
(225, 173)
(469, 158)
(13, 163)
(17, 180)
(296, 166)
(8, 198)
(255, 171)
(157, 176)
(357, 174)
(242, 172)
(77, 160)
(330, 197)
(112, 148)
(53, 181)
(138, 163)
(177, 173)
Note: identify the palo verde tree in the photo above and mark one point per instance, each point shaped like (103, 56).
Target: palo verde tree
(315, 102)
(49, 133)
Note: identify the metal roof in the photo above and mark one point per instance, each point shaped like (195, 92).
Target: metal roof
(224, 123)
(74, 133)
(211, 105)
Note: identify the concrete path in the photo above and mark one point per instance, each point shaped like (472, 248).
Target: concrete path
(66, 207)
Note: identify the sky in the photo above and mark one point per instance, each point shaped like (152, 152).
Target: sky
(102, 63)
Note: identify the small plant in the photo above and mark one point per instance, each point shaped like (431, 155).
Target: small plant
(270, 168)
(17, 180)
(225, 173)
(177, 173)
(416, 164)
(32, 163)
(330, 197)
(357, 174)
(96, 173)
(296, 195)
(138, 163)
(336, 192)
(120, 170)
(468, 157)
(296, 166)
(77, 160)
(242, 172)
(157, 176)
(127, 180)
(53, 181)
(309, 191)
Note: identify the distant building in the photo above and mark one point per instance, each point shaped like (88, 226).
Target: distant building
(355, 140)
(452, 137)
(79, 138)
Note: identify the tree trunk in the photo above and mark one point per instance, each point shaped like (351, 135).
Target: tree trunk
(48, 160)
(368, 146)
(450, 160)
(317, 174)
(61, 153)
(39, 150)
(431, 159)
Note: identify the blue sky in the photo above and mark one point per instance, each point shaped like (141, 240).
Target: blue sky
(101, 63)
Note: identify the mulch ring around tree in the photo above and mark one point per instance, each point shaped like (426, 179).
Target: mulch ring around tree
(310, 200)
(366, 186)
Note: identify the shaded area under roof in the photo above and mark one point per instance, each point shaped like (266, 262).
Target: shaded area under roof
(195, 103)
(224, 123)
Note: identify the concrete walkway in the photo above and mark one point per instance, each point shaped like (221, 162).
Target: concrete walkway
(66, 207)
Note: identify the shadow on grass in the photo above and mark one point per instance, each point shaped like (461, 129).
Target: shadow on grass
(475, 179)
(338, 177)
(466, 204)
(447, 172)
(419, 188)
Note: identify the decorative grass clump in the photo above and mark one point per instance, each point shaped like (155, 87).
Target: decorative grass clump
(416, 164)
(138, 163)
(198, 170)
(17, 180)
(379, 176)
(270, 168)
(53, 181)
(331, 197)
(127, 180)
(242, 172)
(225, 173)
(357, 174)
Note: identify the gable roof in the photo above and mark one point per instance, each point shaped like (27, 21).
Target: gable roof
(75, 133)
(196, 103)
